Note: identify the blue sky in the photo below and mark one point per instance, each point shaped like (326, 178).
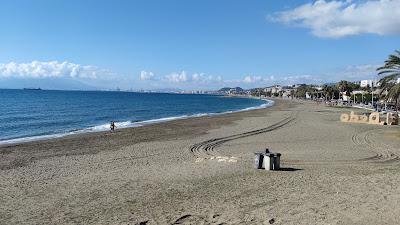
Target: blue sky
(148, 44)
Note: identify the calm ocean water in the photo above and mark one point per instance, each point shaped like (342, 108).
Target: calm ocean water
(30, 114)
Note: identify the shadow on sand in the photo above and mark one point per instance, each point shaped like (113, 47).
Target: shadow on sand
(290, 169)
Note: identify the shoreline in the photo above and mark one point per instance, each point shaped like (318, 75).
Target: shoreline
(82, 144)
(127, 124)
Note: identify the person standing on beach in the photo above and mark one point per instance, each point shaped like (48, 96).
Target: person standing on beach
(112, 126)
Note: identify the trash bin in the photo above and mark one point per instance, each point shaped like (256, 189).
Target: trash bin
(268, 161)
(272, 161)
(277, 162)
(258, 160)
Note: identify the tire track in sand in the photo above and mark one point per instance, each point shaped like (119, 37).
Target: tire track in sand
(208, 146)
(383, 152)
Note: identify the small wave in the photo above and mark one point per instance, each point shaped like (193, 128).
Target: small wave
(126, 124)
(265, 105)
(33, 138)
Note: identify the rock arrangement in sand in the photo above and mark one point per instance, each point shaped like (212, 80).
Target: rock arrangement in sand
(373, 118)
(228, 159)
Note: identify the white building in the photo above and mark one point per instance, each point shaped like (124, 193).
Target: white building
(276, 89)
(267, 89)
(273, 89)
(344, 96)
(368, 83)
(319, 88)
(287, 92)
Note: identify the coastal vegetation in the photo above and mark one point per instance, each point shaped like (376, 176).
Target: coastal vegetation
(390, 85)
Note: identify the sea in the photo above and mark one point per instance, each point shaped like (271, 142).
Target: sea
(28, 115)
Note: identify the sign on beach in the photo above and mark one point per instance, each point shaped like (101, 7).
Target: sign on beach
(373, 118)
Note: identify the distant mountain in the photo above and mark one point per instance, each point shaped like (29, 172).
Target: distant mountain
(229, 89)
(330, 84)
(225, 89)
(45, 83)
(238, 89)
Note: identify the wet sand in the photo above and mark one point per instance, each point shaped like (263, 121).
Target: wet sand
(200, 171)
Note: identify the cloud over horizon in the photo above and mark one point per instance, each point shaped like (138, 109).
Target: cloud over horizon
(366, 71)
(51, 69)
(338, 18)
(144, 75)
(176, 77)
(184, 79)
(180, 77)
(350, 73)
(95, 77)
(252, 81)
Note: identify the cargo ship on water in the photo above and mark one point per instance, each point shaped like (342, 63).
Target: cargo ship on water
(33, 89)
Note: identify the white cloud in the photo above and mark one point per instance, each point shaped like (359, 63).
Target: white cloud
(51, 69)
(196, 78)
(335, 19)
(357, 72)
(177, 77)
(255, 79)
(350, 73)
(297, 79)
(252, 79)
(203, 78)
(200, 77)
(259, 81)
(146, 75)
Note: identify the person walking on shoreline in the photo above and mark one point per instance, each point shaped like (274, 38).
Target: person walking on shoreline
(112, 126)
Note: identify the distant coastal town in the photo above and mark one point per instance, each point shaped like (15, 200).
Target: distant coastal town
(377, 95)
(366, 93)
(363, 93)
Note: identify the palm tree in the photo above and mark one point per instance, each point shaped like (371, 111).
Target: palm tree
(292, 92)
(329, 92)
(389, 83)
(325, 91)
(343, 86)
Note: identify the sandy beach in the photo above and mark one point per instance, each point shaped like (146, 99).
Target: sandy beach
(200, 171)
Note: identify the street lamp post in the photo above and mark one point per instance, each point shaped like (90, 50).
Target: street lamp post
(362, 97)
(372, 93)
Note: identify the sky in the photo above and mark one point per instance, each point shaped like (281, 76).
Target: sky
(193, 45)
